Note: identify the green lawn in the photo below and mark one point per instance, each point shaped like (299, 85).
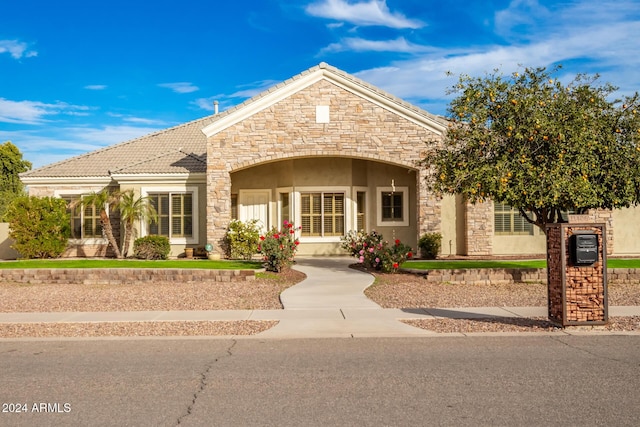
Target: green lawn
(126, 263)
(462, 264)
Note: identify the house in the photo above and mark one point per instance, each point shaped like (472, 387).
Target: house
(324, 150)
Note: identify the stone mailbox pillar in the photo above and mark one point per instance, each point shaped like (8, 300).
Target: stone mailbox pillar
(577, 274)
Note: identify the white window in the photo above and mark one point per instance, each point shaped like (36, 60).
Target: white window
(508, 221)
(322, 214)
(177, 209)
(175, 214)
(85, 221)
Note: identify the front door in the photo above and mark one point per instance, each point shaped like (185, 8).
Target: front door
(254, 204)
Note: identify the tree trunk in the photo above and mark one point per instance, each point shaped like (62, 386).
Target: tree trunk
(108, 231)
(128, 230)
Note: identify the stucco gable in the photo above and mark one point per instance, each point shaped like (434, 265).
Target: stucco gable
(338, 77)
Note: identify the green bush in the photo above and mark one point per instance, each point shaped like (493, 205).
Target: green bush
(429, 245)
(374, 252)
(279, 247)
(151, 247)
(40, 226)
(242, 239)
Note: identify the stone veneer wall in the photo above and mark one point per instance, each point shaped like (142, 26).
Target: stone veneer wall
(479, 228)
(118, 276)
(358, 129)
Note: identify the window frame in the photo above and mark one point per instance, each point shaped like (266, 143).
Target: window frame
(514, 215)
(402, 190)
(176, 240)
(297, 210)
(365, 208)
(74, 195)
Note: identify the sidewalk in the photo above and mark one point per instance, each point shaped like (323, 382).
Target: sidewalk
(329, 303)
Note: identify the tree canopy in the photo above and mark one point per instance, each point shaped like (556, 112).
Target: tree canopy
(538, 145)
(11, 165)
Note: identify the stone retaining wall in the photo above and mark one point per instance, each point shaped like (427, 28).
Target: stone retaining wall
(483, 276)
(117, 276)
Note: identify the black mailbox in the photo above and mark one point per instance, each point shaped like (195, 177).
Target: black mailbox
(584, 249)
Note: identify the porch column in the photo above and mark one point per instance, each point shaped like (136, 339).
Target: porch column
(428, 207)
(218, 205)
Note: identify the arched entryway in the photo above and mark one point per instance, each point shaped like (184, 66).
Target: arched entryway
(328, 196)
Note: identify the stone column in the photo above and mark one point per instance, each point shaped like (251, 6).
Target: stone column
(479, 228)
(577, 292)
(218, 205)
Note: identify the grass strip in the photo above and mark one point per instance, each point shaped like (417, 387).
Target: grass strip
(127, 263)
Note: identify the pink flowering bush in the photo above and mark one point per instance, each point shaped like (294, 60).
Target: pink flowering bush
(278, 247)
(375, 253)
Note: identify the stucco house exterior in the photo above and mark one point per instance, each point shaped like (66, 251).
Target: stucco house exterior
(324, 150)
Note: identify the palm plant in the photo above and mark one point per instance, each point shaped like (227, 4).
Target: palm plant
(134, 209)
(106, 201)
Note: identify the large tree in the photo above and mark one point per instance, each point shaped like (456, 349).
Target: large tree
(11, 165)
(541, 146)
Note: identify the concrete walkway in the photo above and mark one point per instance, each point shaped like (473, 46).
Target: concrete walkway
(329, 303)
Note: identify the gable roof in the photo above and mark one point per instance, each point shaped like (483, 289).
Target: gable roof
(314, 74)
(182, 149)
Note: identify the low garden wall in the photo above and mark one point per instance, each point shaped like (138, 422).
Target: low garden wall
(117, 276)
(496, 276)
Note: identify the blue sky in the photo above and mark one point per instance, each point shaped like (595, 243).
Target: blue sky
(76, 76)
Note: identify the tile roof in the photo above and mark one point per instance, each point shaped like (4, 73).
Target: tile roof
(171, 162)
(182, 149)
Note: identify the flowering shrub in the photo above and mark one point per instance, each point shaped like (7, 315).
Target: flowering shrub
(374, 252)
(242, 239)
(278, 247)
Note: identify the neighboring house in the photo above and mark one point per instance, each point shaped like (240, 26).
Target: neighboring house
(324, 150)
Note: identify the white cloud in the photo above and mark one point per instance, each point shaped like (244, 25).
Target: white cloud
(227, 101)
(138, 120)
(521, 18)
(356, 44)
(16, 49)
(365, 13)
(180, 87)
(95, 87)
(46, 146)
(585, 37)
(106, 135)
(34, 112)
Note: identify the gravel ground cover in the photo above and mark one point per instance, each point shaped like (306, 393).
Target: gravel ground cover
(133, 329)
(260, 294)
(389, 290)
(414, 291)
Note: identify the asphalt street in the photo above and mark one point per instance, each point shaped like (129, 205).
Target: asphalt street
(522, 380)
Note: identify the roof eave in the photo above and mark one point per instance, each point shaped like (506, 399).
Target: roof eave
(160, 178)
(66, 180)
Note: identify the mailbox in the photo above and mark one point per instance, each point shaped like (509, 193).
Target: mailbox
(584, 249)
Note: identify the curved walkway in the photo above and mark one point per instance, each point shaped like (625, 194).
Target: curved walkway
(330, 302)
